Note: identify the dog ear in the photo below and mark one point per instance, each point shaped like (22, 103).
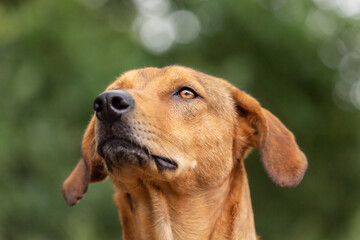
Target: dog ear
(281, 157)
(90, 168)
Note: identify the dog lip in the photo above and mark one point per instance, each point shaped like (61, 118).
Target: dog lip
(126, 142)
(162, 163)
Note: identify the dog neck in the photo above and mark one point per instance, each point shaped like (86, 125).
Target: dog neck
(154, 210)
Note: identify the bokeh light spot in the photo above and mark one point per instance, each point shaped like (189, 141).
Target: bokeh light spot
(157, 34)
(152, 8)
(186, 25)
(345, 8)
(349, 68)
(320, 25)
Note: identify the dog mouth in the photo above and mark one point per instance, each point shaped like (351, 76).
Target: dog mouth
(116, 150)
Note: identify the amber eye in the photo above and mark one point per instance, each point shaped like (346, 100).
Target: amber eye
(187, 93)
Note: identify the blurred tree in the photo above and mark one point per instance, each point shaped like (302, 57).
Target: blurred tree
(299, 58)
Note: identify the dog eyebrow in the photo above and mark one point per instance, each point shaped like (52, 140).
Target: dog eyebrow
(196, 86)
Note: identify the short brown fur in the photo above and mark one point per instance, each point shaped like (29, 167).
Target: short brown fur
(207, 196)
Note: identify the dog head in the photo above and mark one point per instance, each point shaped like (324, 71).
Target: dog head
(179, 125)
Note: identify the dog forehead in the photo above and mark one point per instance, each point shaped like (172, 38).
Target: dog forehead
(141, 78)
(136, 79)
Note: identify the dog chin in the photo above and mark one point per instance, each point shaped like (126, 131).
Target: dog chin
(118, 152)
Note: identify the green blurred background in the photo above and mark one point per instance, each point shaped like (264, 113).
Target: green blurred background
(299, 58)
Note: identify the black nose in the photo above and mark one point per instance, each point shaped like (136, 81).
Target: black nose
(110, 105)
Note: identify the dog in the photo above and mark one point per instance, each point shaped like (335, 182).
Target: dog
(173, 142)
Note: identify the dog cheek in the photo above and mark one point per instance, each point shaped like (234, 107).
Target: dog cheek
(214, 154)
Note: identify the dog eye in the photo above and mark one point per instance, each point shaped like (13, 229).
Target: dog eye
(187, 93)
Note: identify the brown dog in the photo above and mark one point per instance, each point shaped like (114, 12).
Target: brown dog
(172, 141)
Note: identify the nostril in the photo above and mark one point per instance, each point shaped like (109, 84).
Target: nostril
(119, 103)
(98, 105)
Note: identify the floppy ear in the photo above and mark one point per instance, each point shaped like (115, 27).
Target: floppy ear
(281, 157)
(90, 168)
